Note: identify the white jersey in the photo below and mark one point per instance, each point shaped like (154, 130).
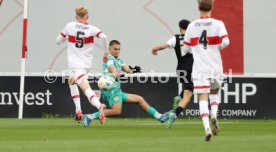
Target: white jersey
(80, 43)
(171, 42)
(204, 36)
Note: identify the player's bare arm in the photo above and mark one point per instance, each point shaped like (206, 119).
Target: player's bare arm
(159, 48)
(126, 69)
(113, 70)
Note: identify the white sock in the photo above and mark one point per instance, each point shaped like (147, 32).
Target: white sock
(91, 116)
(93, 99)
(204, 113)
(157, 115)
(75, 94)
(214, 101)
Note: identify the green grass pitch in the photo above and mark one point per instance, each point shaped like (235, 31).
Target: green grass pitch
(134, 135)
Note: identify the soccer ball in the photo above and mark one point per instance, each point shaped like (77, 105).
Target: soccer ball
(105, 83)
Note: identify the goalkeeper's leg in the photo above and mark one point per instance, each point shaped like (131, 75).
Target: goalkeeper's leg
(114, 111)
(136, 99)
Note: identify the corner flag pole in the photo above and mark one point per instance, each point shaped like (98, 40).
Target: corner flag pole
(23, 60)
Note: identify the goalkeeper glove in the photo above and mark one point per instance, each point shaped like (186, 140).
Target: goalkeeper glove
(136, 69)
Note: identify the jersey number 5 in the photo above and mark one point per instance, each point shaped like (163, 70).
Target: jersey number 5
(203, 39)
(79, 40)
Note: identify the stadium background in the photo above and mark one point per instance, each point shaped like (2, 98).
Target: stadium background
(147, 23)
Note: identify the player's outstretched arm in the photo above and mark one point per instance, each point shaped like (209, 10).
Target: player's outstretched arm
(159, 48)
(130, 69)
(126, 69)
(113, 70)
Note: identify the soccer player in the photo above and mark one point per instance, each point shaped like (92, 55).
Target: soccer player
(115, 97)
(184, 69)
(80, 36)
(205, 38)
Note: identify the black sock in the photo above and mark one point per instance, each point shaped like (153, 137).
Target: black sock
(178, 110)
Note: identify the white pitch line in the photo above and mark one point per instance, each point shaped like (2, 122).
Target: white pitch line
(180, 123)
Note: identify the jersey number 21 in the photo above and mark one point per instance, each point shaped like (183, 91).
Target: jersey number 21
(79, 40)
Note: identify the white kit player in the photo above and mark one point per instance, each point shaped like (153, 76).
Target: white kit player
(205, 38)
(80, 36)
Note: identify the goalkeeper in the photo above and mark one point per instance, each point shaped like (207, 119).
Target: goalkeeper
(113, 67)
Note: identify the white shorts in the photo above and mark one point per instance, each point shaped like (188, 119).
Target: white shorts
(78, 74)
(206, 85)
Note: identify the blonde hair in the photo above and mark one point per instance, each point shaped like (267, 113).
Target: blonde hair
(205, 5)
(81, 11)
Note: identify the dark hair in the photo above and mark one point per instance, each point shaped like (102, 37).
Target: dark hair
(112, 42)
(184, 24)
(205, 5)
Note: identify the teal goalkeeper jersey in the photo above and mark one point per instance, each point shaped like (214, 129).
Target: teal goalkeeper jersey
(117, 63)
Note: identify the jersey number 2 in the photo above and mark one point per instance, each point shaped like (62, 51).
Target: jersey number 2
(203, 39)
(79, 40)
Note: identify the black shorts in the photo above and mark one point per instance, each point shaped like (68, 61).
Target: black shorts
(186, 81)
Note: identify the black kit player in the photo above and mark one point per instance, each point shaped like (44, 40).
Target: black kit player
(184, 69)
